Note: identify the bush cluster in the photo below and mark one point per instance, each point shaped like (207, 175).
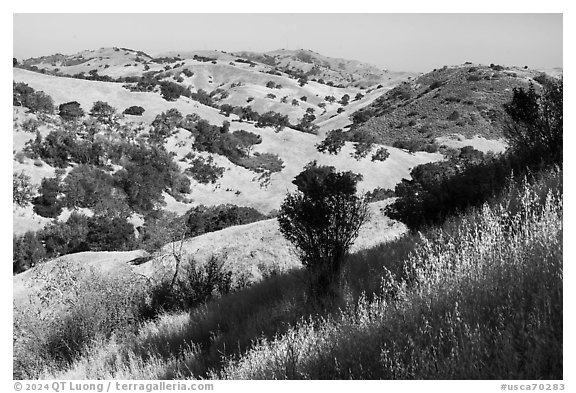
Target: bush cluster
(204, 219)
(35, 101)
(78, 233)
(204, 170)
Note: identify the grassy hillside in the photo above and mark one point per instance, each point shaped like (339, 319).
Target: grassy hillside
(466, 100)
(473, 290)
(481, 298)
(238, 185)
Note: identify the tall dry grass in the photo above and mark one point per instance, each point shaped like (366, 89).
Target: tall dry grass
(481, 299)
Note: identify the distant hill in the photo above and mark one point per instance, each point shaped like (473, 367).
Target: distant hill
(227, 79)
(466, 100)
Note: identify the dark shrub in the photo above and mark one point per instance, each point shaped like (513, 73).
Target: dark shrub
(171, 91)
(333, 143)
(536, 129)
(22, 189)
(70, 111)
(47, 204)
(381, 154)
(247, 140)
(103, 112)
(203, 219)
(204, 170)
(134, 110)
(27, 251)
(322, 220)
(85, 186)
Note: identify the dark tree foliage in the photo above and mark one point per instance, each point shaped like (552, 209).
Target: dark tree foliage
(171, 91)
(333, 143)
(273, 119)
(70, 111)
(203, 97)
(61, 238)
(86, 186)
(19, 93)
(226, 109)
(537, 121)
(363, 143)
(306, 124)
(149, 172)
(62, 147)
(246, 113)
(214, 139)
(110, 234)
(165, 124)
(78, 233)
(203, 219)
(27, 251)
(362, 115)
(22, 190)
(381, 154)
(35, 101)
(48, 203)
(247, 140)
(322, 220)
(134, 110)
(440, 189)
(204, 170)
(103, 112)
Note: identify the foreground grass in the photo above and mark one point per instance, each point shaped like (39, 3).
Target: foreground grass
(483, 301)
(480, 298)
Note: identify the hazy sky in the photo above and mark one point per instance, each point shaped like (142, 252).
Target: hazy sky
(402, 42)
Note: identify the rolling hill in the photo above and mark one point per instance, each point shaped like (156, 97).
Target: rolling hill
(244, 84)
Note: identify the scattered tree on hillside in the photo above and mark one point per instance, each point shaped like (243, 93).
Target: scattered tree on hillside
(322, 219)
(247, 140)
(204, 170)
(165, 124)
(333, 142)
(48, 203)
(70, 111)
(103, 112)
(22, 189)
(134, 110)
(345, 100)
(273, 119)
(381, 154)
(36, 101)
(171, 91)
